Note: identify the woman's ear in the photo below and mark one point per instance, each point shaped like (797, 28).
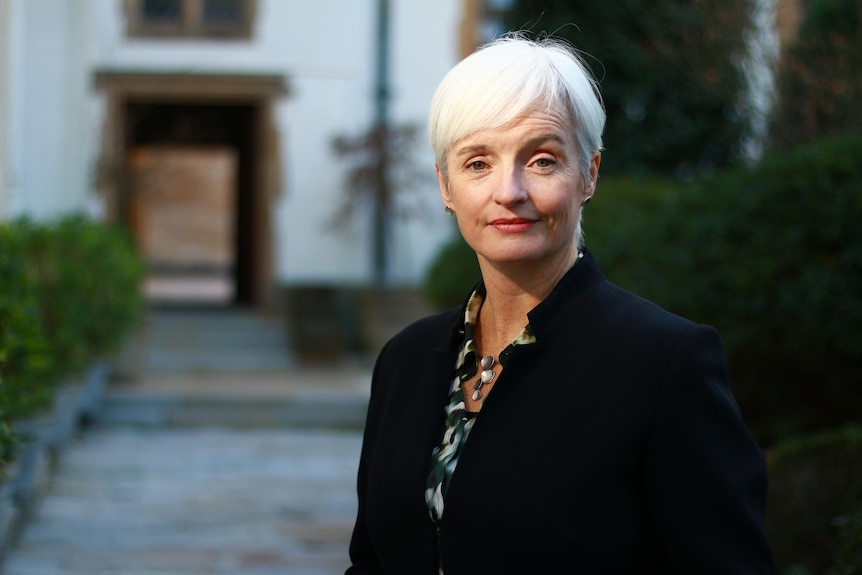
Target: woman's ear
(594, 173)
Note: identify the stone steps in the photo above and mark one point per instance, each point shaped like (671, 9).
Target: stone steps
(214, 453)
(176, 411)
(195, 501)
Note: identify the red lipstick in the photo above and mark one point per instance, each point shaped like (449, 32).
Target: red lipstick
(512, 225)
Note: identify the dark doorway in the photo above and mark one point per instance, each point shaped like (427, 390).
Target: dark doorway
(194, 129)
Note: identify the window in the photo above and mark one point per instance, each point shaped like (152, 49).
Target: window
(163, 11)
(190, 18)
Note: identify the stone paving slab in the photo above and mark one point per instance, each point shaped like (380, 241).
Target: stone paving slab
(343, 382)
(331, 398)
(214, 339)
(212, 452)
(195, 501)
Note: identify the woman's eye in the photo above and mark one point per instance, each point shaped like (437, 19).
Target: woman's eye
(545, 163)
(477, 165)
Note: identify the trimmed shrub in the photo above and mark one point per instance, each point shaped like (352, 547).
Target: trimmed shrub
(620, 228)
(614, 224)
(25, 363)
(452, 274)
(69, 292)
(97, 263)
(772, 257)
(848, 560)
(815, 492)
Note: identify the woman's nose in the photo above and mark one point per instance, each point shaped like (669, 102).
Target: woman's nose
(510, 188)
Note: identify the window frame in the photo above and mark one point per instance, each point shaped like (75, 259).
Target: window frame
(191, 24)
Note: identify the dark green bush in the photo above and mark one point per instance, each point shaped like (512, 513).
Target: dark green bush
(771, 256)
(25, 364)
(97, 264)
(815, 492)
(69, 291)
(617, 218)
(848, 560)
(620, 228)
(452, 273)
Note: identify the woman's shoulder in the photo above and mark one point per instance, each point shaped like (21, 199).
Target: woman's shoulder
(436, 330)
(633, 314)
(412, 351)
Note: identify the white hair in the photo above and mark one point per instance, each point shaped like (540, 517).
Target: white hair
(510, 77)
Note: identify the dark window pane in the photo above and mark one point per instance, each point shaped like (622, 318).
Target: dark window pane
(161, 10)
(222, 11)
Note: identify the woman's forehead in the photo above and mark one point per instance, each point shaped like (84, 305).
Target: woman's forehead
(534, 127)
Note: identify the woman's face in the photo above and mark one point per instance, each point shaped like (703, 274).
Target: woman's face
(517, 191)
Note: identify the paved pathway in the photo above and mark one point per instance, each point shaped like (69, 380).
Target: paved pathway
(242, 469)
(196, 501)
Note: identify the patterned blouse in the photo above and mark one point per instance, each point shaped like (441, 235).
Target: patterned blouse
(459, 421)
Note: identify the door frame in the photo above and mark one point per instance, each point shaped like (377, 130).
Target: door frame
(260, 91)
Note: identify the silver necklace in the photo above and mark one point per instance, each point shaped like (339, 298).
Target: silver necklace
(486, 376)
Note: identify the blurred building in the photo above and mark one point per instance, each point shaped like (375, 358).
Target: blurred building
(206, 127)
(5, 27)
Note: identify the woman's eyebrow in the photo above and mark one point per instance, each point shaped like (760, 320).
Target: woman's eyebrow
(471, 150)
(537, 141)
(545, 138)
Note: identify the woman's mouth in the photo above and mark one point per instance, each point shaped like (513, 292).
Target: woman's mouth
(512, 225)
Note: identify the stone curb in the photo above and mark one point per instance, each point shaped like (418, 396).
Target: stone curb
(43, 438)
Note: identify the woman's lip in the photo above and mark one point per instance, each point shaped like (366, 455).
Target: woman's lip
(512, 224)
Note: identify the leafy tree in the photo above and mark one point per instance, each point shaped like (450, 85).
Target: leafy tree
(670, 76)
(380, 171)
(820, 84)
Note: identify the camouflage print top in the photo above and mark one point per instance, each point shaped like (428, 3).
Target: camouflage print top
(459, 421)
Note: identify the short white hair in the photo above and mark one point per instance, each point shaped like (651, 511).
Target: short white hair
(511, 77)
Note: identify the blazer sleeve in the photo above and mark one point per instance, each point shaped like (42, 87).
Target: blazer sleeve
(363, 557)
(705, 475)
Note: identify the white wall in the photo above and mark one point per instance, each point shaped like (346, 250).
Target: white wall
(425, 45)
(326, 51)
(5, 28)
(338, 99)
(330, 64)
(47, 164)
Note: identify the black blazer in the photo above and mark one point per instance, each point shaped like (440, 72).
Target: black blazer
(611, 445)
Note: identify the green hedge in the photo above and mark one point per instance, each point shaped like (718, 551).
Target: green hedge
(69, 292)
(814, 509)
(848, 557)
(24, 357)
(452, 273)
(771, 256)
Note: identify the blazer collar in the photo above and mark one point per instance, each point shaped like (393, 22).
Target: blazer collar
(564, 299)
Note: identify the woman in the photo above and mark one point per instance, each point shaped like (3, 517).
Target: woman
(555, 423)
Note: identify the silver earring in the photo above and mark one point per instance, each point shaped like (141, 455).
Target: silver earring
(449, 210)
(586, 201)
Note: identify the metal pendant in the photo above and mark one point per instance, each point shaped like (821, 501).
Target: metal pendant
(487, 362)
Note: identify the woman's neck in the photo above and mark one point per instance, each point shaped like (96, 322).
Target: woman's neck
(512, 291)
